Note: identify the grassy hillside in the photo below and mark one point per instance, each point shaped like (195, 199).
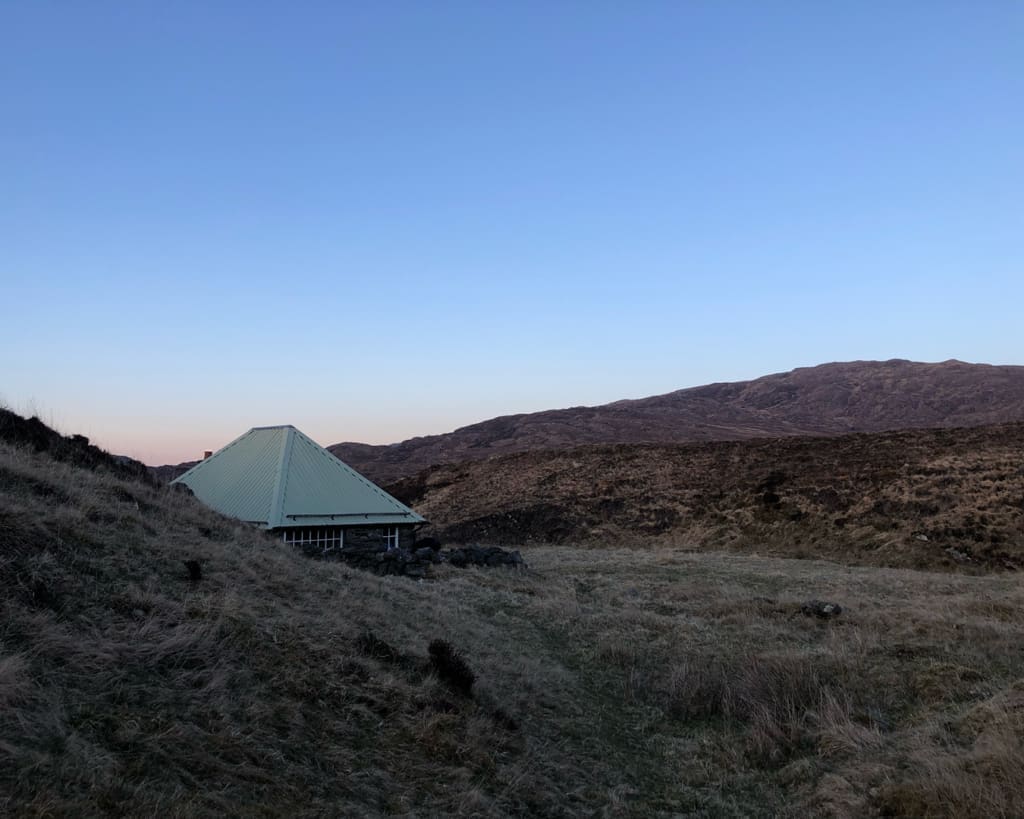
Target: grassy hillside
(919, 498)
(611, 682)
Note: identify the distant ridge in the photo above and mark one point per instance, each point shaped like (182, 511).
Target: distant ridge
(829, 399)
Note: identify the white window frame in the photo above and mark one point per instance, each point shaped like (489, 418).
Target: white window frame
(324, 538)
(391, 537)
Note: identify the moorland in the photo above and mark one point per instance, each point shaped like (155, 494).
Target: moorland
(929, 498)
(626, 671)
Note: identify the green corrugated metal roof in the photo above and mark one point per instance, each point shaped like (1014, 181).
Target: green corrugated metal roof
(276, 477)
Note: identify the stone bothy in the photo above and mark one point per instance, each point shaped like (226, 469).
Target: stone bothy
(281, 480)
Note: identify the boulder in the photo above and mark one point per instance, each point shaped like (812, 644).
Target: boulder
(425, 553)
(821, 608)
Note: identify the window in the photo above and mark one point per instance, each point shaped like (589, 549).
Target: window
(391, 537)
(322, 538)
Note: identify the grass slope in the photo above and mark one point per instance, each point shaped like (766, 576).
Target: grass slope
(611, 682)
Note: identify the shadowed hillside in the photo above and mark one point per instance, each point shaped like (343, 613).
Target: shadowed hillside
(73, 449)
(273, 684)
(619, 683)
(831, 399)
(913, 498)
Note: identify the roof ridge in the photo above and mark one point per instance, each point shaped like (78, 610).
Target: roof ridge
(276, 513)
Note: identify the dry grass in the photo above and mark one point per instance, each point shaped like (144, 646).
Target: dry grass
(920, 499)
(607, 682)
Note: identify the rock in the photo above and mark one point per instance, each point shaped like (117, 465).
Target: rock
(425, 553)
(820, 608)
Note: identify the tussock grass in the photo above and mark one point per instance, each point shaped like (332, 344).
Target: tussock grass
(610, 682)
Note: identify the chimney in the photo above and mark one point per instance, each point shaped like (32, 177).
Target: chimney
(207, 453)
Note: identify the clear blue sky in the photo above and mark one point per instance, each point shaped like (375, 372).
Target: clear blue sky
(379, 220)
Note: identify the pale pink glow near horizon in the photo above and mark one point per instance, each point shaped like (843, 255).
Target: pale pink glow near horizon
(178, 425)
(181, 430)
(186, 425)
(173, 445)
(188, 444)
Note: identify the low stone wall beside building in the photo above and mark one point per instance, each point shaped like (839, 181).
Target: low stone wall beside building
(374, 556)
(365, 537)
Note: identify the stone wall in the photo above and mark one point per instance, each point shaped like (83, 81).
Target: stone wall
(416, 564)
(368, 537)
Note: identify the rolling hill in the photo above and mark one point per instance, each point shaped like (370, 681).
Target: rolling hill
(830, 399)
